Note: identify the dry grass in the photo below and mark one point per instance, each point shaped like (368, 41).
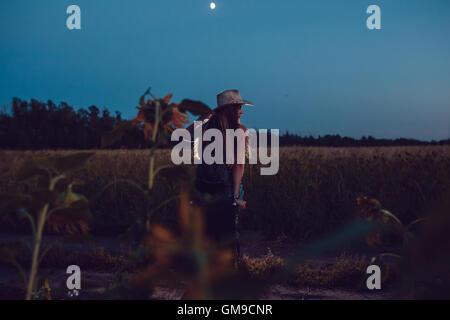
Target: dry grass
(263, 267)
(344, 272)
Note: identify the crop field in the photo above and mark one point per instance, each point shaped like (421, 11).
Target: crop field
(314, 191)
(314, 194)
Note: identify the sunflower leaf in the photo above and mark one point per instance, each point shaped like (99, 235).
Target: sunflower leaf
(197, 108)
(14, 201)
(36, 166)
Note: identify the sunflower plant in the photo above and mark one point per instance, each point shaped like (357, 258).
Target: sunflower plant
(50, 202)
(372, 211)
(160, 118)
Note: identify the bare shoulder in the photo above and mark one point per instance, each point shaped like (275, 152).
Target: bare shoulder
(243, 127)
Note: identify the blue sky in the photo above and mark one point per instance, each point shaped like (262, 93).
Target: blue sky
(310, 66)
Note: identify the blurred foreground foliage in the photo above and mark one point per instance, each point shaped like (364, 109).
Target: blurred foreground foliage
(50, 202)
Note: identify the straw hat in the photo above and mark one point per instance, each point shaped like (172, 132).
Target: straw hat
(231, 97)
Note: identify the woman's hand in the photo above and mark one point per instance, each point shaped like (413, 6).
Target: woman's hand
(241, 203)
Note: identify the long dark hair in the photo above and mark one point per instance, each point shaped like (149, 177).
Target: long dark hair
(226, 117)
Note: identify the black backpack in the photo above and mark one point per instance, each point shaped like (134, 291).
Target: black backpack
(213, 178)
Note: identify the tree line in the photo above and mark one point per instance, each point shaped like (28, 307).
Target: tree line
(37, 125)
(288, 139)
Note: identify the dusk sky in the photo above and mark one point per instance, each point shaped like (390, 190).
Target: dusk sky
(309, 66)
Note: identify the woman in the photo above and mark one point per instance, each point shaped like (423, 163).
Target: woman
(220, 185)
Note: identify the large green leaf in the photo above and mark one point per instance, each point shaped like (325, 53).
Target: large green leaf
(77, 210)
(32, 167)
(42, 196)
(14, 201)
(72, 197)
(71, 162)
(71, 206)
(417, 221)
(197, 108)
(45, 166)
(61, 185)
(68, 197)
(392, 216)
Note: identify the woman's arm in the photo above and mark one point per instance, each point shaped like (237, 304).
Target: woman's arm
(238, 169)
(238, 172)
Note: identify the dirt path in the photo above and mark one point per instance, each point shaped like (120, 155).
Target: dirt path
(251, 245)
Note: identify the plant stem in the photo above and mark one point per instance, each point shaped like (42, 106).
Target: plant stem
(151, 168)
(37, 244)
(151, 176)
(37, 241)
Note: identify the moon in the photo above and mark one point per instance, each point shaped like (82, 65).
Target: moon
(212, 5)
